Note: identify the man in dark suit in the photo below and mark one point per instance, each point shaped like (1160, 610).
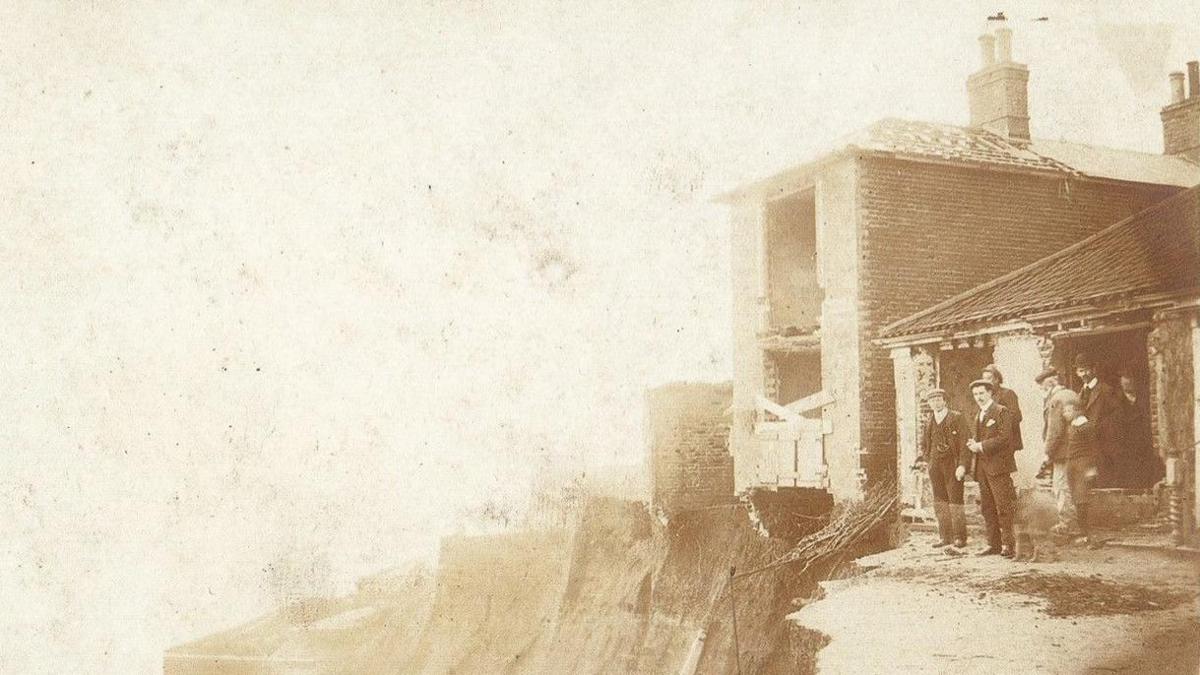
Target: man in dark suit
(992, 445)
(944, 450)
(1102, 407)
(1007, 398)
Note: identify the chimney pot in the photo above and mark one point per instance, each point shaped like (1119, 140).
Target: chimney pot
(1177, 93)
(1004, 44)
(987, 50)
(1193, 79)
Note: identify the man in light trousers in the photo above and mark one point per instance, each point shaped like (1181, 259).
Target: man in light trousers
(1054, 438)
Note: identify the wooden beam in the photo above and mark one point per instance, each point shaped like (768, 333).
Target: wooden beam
(774, 408)
(811, 402)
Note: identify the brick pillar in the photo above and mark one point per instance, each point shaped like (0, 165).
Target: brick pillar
(749, 312)
(1193, 454)
(908, 424)
(1020, 358)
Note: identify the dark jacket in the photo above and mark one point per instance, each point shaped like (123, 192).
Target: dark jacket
(947, 440)
(1008, 398)
(1102, 406)
(995, 432)
(1141, 466)
(1081, 439)
(1135, 424)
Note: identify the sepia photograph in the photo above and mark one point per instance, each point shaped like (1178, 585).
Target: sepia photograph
(524, 337)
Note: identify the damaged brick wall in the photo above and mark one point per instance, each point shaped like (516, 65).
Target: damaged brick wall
(1172, 390)
(928, 232)
(688, 434)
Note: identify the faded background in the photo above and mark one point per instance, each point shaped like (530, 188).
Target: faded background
(288, 292)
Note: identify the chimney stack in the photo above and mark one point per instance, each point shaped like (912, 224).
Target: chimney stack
(1181, 117)
(1177, 92)
(998, 93)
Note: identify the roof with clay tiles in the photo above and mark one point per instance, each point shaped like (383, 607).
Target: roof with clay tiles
(1155, 252)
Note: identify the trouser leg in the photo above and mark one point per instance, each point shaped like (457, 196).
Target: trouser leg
(1005, 495)
(987, 506)
(1081, 474)
(940, 505)
(954, 499)
(1062, 495)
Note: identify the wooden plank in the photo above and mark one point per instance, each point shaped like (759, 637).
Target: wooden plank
(774, 408)
(811, 402)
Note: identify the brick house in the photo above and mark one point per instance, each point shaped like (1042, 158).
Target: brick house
(827, 253)
(1129, 296)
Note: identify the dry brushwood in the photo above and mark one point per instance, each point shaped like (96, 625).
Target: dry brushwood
(849, 526)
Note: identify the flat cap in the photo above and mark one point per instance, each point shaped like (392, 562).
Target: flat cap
(983, 383)
(936, 391)
(1083, 360)
(1049, 372)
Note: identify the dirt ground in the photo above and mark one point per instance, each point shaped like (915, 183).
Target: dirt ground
(917, 609)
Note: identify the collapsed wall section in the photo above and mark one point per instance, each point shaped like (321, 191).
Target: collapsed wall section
(687, 432)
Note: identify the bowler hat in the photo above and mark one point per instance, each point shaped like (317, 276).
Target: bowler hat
(1083, 361)
(983, 383)
(1049, 372)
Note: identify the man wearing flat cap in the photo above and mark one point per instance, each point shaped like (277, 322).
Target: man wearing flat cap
(1054, 441)
(993, 447)
(944, 450)
(1102, 406)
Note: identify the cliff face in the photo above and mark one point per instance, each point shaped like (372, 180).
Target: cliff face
(620, 594)
(495, 594)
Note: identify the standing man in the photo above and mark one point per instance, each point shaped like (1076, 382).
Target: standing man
(1007, 398)
(944, 449)
(992, 445)
(1101, 406)
(1143, 468)
(1054, 439)
(1081, 456)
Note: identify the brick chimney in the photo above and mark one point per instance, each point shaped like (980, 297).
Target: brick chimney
(998, 93)
(1181, 117)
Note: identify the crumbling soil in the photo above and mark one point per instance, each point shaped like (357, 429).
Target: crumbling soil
(1063, 595)
(1070, 595)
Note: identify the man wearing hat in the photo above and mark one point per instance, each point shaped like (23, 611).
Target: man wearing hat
(1007, 398)
(1080, 455)
(944, 450)
(1054, 441)
(992, 445)
(1102, 406)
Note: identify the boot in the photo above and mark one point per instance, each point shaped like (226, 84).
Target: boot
(958, 520)
(1083, 515)
(942, 511)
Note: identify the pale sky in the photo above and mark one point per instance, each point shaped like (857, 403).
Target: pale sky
(306, 288)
